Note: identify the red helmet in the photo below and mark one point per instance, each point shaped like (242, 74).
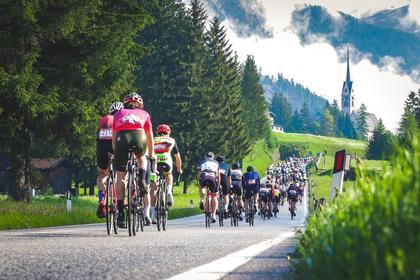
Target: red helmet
(164, 128)
(133, 97)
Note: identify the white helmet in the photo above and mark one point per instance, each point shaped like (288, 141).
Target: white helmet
(116, 106)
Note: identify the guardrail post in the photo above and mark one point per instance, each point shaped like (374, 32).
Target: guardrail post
(68, 201)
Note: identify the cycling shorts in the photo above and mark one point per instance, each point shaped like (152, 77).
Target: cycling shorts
(103, 147)
(265, 195)
(225, 188)
(165, 162)
(208, 179)
(125, 140)
(250, 190)
(237, 188)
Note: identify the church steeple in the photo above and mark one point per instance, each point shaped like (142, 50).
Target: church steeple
(347, 97)
(348, 66)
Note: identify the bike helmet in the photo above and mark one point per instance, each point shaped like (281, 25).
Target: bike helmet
(220, 159)
(116, 106)
(209, 155)
(133, 97)
(250, 168)
(235, 166)
(164, 129)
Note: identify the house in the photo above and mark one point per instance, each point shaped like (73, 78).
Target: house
(56, 173)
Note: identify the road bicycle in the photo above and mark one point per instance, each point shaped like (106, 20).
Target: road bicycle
(161, 199)
(135, 208)
(234, 210)
(207, 209)
(111, 208)
(292, 207)
(221, 212)
(251, 210)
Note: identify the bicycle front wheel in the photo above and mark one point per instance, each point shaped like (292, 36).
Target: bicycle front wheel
(130, 209)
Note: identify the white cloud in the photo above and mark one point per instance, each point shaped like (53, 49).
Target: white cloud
(317, 66)
(414, 11)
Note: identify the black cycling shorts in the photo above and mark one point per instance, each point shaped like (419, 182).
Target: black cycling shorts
(125, 140)
(103, 147)
(237, 188)
(225, 189)
(250, 190)
(208, 181)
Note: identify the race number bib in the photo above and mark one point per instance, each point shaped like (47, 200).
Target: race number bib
(252, 182)
(105, 133)
(209, 166)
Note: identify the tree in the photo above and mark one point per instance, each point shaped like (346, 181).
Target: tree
(381, 145)
(61, 63)
(408, 129)
(362, 127)
(295, 123)
(327, 123)
(281, 108)
(305, 121)
(412, 103)
(256, 106)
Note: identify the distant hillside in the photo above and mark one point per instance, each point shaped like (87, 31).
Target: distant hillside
(295, 93)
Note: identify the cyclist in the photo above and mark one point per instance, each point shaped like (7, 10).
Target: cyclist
(292, 195)
(251, 183)
(165, 146)
(131, 128)
(103, 148)
(225, 182)
(236, 178)
(209, 177)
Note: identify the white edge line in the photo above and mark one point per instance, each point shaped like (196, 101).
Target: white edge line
(220, 267)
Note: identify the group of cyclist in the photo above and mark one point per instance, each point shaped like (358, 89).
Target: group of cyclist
(283, 182)
(126, 128)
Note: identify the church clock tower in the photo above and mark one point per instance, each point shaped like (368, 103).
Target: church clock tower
(347, 97)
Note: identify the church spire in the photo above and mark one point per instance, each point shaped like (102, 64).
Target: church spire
(348, 66)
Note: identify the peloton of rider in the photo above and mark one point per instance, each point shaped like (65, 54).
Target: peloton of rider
(103, 149)
(131, 128)
(209, 176)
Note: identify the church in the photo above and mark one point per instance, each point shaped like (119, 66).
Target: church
(348, 106)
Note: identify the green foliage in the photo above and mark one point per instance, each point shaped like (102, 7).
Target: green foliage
(409, 126)
(362, 126)
(292, 150)
(256, 106)
(381, 145)
(61, 64)
(282, 110)
(372, 230)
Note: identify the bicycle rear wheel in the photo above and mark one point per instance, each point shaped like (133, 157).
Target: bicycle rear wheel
(221, 211)
(164, 208)
(108, 202)
(130, 209)
(158, 207)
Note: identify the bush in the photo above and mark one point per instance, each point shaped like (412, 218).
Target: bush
(289, 150)
(372, 231)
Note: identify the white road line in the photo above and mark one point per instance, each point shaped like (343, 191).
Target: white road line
(224, 265)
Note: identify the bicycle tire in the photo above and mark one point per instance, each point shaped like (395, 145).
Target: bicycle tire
(130, 206)
(164, 210)
(108, 201)
(207, 212)
(221, 211)
(158, 206)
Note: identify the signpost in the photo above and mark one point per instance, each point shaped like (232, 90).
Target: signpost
(68, 201)
(340, 161)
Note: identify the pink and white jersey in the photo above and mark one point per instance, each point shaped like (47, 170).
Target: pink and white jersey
(131, 119)
(105, 127)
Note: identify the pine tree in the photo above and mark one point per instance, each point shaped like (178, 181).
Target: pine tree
(408, 129)
(306, 124)
(223, 80)
(413, 104)
(281, 108)
(61, 63)
(327, 123)
(256, 106)
(295, 123)
(362, 127)
(381, 144)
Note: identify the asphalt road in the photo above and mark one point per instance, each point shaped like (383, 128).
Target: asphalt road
(87, 252)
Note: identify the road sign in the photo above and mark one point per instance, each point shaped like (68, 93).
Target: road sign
(338, 173)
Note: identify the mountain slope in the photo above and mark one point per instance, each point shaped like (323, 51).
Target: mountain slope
(295, 93)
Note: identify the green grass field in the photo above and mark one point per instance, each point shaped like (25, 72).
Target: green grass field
(317, 144)
(260, 157)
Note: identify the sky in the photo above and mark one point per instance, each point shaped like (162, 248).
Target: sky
(318, 66)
